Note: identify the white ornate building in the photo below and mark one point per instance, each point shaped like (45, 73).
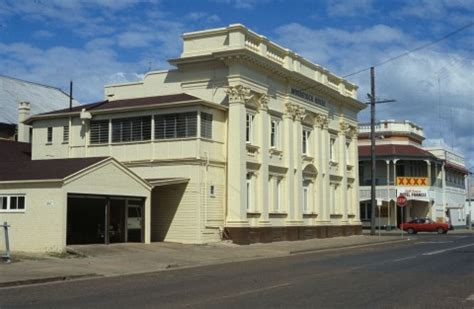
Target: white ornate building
(243, 140)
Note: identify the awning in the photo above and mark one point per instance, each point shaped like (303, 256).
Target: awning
(159, 182)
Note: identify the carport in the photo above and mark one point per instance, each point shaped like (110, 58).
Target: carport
(89, 215)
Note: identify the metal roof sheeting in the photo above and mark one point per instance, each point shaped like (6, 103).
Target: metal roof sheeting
(42, 98)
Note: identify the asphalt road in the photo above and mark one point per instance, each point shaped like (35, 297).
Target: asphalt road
(432, 271)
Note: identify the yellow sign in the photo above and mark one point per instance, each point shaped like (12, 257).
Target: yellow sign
(412, 181)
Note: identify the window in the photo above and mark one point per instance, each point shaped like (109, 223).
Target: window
(99, 132)
(176, 125)
(66, 134)
(276, 192)
(365, 211)
(332, 150)
(305, 196)
(206, 125)
(305, 142)
(13, 203)
(212, 191)
(249, 191)
(274, 134)
(131, 129)
(50, 135)
(249, 128)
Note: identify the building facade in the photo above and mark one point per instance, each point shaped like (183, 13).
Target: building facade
(244, 140)
(432, 179)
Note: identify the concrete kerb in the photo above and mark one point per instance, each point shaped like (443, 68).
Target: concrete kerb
(348, 247)
(262, 253)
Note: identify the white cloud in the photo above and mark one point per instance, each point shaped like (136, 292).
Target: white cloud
(43, 34)
(202, 16)
(243, 4)
(89, 68)
(349, 8)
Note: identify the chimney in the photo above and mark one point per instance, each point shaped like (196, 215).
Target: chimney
(23, 114)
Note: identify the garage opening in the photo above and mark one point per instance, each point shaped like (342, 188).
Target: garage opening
(104, 219)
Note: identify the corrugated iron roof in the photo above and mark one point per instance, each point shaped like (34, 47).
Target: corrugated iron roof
(136, 102)
(43, 98)
(11, 151)
(395, 150)
(44, 169)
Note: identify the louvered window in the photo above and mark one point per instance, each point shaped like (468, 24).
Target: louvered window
(65, 134)
(99, 132)
(131, 129)
(206, 125)
(176, 125)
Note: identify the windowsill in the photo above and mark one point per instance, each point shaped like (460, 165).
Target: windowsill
(253, 212)
(155, 141)
(306, 157)
(349, 166)
(6, 211)
(333, 163)
(252, 150)
(65, 143)
(49, 143)
(274, 151)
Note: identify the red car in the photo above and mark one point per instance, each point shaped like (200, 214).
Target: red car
(424, 225)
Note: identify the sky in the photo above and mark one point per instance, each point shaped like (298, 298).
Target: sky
(99, 42)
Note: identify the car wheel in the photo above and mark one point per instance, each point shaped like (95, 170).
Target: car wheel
(411, 231)
(440, 230)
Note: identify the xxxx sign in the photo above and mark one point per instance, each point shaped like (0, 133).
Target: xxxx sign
(412, 181)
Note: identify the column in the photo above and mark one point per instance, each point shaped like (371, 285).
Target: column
(288, 155)
(237, 156)
(428, 167)
(264, 141)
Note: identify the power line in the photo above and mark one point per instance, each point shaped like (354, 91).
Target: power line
(414, 50)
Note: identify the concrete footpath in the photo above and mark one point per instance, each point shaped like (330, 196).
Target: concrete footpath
(124, 259)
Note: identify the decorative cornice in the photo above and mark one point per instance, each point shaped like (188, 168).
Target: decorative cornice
(263, 102)
(351, 131)
(321, 120)
(238, 94)
(295, 112)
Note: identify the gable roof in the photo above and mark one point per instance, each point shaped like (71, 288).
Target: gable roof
(43, 98)
(12, 151)
(52, 169)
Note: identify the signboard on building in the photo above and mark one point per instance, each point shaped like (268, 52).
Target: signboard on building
(414, 194)
(308, 97)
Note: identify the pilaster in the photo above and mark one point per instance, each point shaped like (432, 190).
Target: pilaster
(323, 122)
(236, 156)
(263, 185)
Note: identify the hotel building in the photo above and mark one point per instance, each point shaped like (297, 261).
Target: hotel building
(243, 140)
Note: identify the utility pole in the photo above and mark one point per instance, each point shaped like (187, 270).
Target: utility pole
(372, 150)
